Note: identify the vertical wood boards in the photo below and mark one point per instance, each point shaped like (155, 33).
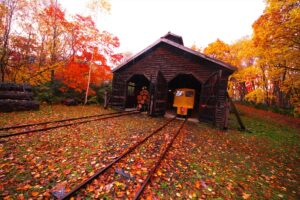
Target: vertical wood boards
(159, 99)
(163, 63)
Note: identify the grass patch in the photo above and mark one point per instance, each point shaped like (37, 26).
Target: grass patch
(278, 133)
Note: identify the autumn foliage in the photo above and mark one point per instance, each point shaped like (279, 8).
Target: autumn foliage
(52, 46)
(268, 61)
(203, 163)
(75, 73)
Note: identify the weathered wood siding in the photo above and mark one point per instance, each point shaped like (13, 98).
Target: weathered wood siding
(170, 62)
(118, 97)
(221, 100)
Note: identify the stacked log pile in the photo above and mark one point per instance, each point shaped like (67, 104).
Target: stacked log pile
(16, 97)
(143, 99)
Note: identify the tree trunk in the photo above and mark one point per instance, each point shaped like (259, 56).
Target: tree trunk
(53, 51)
(5, 38)
(265, 84)
(88, 83)
(282, 95)
(242, 91)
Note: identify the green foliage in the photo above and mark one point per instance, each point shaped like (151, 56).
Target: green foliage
(56, 92)
(93, 100)
(46, 93)
(100, 92)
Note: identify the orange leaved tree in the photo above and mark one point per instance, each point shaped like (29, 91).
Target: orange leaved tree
(91, 53)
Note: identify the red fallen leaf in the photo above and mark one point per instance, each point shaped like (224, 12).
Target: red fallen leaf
(159, 173)
(37, 176)
(91, 174)
(138, 172)
(3, 165)
(34, 194)
(96, 182)
(51, 167)
(25, 187)
(67, 171)
(46, 194)
(68, 189)
(90, 188)
(21, 197)
(120, 194)
(138, 186)
(179, 186)
(268, 194)
(229, 186)
(197, 184)
(149, 197)
(245, 195)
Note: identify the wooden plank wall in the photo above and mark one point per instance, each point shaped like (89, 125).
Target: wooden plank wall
(118, 97)
(171, 62)
(160, 96)
(221, 105)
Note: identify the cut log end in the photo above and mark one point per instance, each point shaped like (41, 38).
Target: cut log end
(16, 97)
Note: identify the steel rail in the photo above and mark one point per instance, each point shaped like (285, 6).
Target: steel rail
(162, 156)
(101, 171)
(65, 125)
(63, 120)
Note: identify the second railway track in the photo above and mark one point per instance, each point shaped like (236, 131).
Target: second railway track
(37, 127)
(156, 154)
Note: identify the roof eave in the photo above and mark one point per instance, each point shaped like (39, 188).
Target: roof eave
(196, 53)
(201, 55)
(136, 55)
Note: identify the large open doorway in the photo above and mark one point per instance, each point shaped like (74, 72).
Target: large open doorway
(134, 86)
(184, 81)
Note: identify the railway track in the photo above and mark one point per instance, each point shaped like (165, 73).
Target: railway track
(36, 127)
(161, 152)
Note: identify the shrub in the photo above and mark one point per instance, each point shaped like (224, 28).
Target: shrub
(100, 91)
(93, 100)
(56, 93)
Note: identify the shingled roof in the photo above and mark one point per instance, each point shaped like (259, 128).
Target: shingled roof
(176, 42)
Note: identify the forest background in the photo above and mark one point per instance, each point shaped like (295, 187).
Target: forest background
(68, 57)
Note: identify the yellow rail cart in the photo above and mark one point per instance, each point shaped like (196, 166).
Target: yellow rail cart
(184, 100)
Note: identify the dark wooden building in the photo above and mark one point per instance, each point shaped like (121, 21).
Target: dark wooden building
(166, 65)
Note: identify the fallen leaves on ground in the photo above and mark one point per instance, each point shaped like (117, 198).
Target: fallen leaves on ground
(203, 163)
(34, 164)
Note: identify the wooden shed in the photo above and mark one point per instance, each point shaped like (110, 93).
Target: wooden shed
(166, 65)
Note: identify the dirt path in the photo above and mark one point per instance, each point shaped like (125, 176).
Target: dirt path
(275, 117)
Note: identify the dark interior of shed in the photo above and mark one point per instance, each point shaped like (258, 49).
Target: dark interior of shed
(184, 81)
(134, 87)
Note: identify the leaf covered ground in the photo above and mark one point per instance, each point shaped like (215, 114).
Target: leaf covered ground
(203, 163)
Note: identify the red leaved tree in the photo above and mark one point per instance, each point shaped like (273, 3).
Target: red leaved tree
(91, 51)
